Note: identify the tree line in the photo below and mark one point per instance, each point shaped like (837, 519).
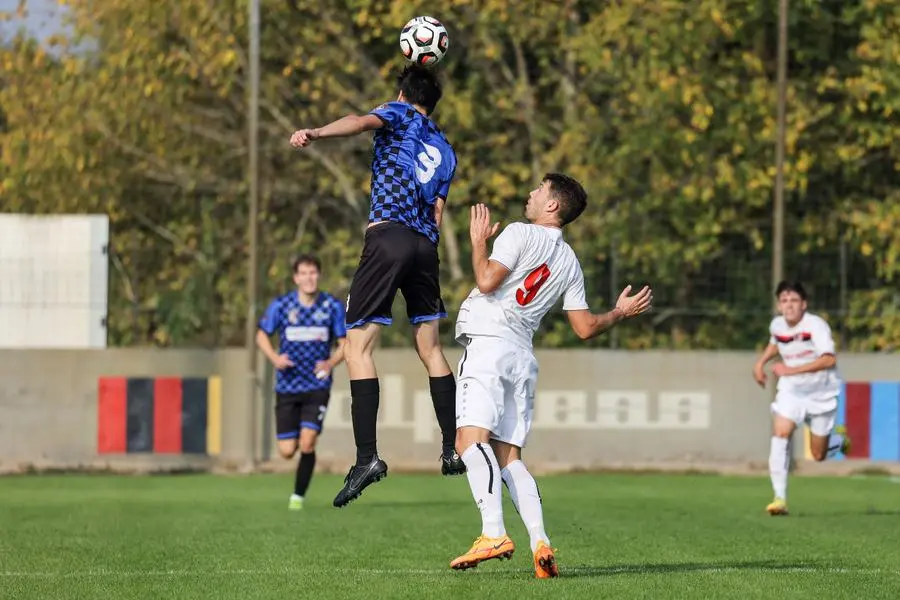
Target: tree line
(664, 109)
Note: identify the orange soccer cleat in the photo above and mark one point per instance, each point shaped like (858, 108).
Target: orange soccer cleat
(544, 562)
(484, 548)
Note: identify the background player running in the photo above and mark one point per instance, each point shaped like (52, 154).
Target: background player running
(530, 267)
(808, 386)
(309, 323)
(412, 168)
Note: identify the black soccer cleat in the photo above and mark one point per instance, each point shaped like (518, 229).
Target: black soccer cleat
(358, 479)
(452, 463)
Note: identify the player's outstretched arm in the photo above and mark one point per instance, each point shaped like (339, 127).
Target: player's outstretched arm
(586, 324)
(343, 127)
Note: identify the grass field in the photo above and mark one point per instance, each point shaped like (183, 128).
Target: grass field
(621, 536)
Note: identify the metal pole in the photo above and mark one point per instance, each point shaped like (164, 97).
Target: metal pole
(845, 309)
(778, 209)
(613, 287)
(252, 225)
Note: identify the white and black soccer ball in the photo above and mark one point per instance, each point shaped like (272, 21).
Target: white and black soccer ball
(424, 41)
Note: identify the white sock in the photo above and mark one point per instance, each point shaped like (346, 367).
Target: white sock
(778, 466)
(835, 440)
(525, 495)
(483, 473)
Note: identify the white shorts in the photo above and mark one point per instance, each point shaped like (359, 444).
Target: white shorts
(818, 414)
(495, 388)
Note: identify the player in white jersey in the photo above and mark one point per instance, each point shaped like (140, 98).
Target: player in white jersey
(530, 268)
(808, 386)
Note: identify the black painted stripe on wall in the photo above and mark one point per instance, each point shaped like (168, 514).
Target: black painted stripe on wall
(194, 403)
(139, 415)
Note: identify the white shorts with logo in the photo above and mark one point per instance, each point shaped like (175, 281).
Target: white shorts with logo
(495, 388)
(818, 414)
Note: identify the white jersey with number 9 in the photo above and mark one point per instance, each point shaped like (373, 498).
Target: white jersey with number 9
(542, 268)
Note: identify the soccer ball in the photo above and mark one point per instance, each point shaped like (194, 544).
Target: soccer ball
(424, 41)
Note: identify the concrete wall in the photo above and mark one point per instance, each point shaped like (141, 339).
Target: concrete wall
(594, 408)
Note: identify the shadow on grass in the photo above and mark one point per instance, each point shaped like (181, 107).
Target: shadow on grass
(842, 514)
(692, 567)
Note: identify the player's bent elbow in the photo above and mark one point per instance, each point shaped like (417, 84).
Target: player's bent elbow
(583, 333)
(486, 287)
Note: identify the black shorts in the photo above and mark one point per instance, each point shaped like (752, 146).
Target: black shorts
(294, 412)
(395, 257)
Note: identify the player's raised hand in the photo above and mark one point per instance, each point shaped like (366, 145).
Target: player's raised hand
(632, 306)
(480, 228)
(303, 137)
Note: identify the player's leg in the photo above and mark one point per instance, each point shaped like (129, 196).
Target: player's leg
(443, 393)
(287, 431)
(421, 289)
(786, 413)
(312, 416)
(508, 440)
(479, 404)
(386, 258)
(826, 440)
(526, 497)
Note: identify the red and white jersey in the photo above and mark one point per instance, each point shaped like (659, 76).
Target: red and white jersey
(542, 268)
(801, 344)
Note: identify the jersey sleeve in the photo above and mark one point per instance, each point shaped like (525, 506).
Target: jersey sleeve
(269, 321)
(574, 298)
(338, 320)
(772, 340)
(822, 338)
(389, 114)
(508, 246)
(444, 189)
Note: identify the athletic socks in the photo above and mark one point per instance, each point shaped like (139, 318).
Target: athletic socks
(779, 460)
(443, 396)
(304, 473)
(364, 413)
(483, 473)
(527, 498)
(835, 443)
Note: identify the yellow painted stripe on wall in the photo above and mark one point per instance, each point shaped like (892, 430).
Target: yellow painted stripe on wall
(214, 416)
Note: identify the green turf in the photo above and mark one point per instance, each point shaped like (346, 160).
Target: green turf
(619, 536)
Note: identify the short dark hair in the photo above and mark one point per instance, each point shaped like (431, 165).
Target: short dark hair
(570, 194)
(305, 259)
(791, 286)
(420, 85)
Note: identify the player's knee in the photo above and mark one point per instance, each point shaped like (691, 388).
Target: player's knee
(462, 442)
(819, 455)
(308, 444)
(287, 448)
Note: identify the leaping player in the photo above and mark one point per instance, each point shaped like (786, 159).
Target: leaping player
(530, 268)
(808, 386)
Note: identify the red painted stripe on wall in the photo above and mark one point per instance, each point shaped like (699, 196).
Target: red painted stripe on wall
(859, 410)
(112, 405)
(167, 415)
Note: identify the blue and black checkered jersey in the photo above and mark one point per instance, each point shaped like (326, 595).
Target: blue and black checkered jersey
(306, 334)
(412, 166)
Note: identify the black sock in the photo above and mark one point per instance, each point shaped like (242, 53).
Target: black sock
(443, 396)
(364, 413)
(304, 472)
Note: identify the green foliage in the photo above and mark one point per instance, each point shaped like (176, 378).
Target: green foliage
(666, 110)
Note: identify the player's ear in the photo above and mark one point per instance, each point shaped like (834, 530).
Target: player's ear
(552, 205)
